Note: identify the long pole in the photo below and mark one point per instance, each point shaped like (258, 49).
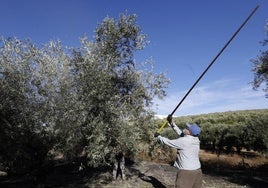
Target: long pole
(212, 62)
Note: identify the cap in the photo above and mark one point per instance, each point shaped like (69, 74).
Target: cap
(194, 129)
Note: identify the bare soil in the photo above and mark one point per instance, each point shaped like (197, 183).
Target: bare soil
(232, 171)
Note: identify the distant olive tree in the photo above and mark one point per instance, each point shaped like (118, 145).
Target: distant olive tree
(234, 131)
(260, 68)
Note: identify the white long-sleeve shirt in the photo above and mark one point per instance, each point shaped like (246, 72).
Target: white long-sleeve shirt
(188, 148)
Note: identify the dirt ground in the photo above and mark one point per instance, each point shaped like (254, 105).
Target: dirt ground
(225, 171)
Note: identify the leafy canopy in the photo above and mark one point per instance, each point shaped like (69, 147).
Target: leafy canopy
(94, 100)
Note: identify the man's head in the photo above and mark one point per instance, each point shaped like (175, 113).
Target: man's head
(193, 129)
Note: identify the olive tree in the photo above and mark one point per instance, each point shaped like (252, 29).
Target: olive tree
(32, 83)
(92, 100)
(115, 93)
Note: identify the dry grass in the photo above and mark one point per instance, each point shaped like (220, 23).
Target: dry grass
(245, 159)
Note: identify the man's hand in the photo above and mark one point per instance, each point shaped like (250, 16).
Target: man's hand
(169, 118)
(156, 134)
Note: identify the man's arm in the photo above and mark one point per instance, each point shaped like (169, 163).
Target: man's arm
(174, 126)
(176, 143)
(176, 129)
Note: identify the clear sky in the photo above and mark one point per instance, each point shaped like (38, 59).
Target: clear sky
(184, 35)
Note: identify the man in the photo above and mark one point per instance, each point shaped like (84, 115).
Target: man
(189, 173)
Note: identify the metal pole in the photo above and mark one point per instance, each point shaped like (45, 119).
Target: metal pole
(212, 62)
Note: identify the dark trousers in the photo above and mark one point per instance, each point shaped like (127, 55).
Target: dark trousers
(119, 169)
(189, 179)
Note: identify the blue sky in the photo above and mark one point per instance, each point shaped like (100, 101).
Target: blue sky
(184, 35)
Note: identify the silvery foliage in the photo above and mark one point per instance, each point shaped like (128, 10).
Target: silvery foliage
(33, 82)
(40, 74)
(93, 100)
(116, 91)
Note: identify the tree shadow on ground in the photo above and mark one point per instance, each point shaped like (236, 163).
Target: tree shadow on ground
(66, 175)
(153, 181)
(63, 175)
(135, 172)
